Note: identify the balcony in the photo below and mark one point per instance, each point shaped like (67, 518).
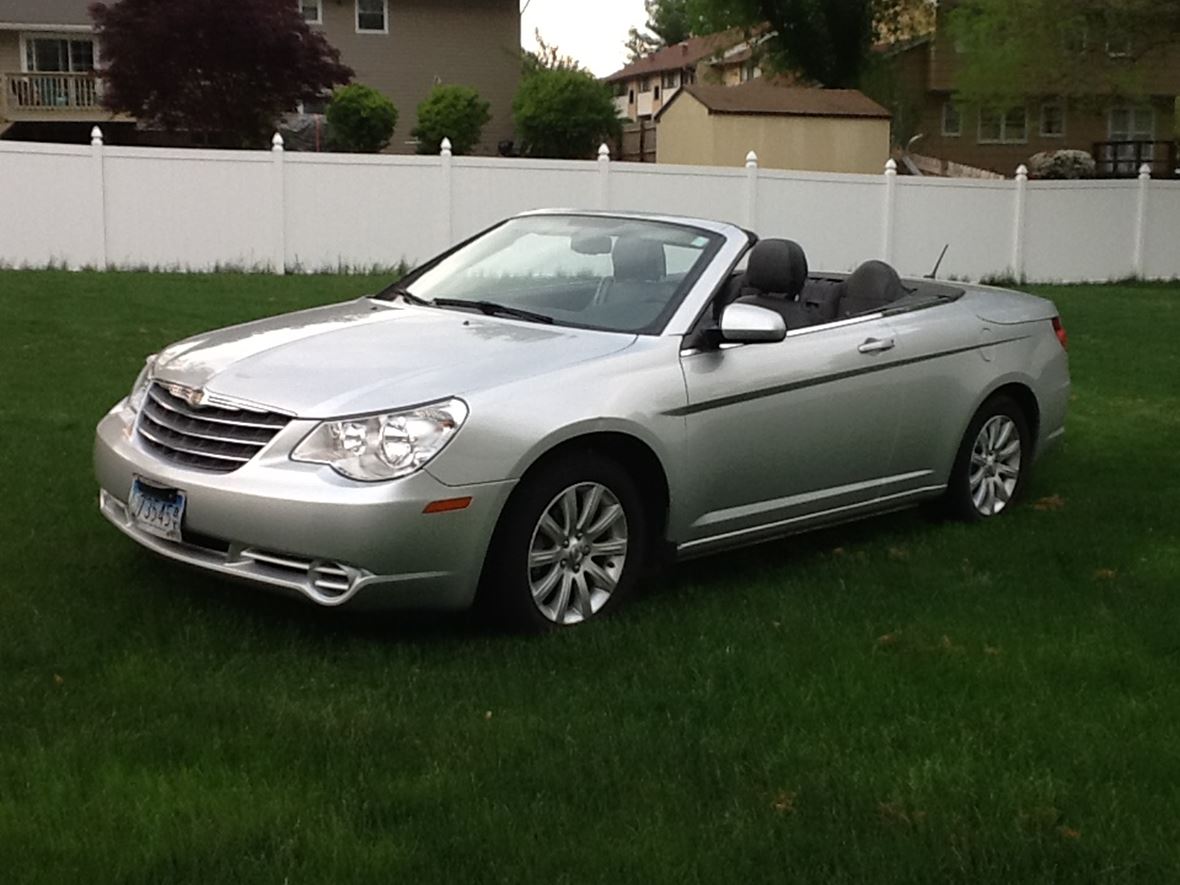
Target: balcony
(1122, 159)
(48, 97)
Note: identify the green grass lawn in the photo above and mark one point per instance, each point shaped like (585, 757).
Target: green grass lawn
(894, 701)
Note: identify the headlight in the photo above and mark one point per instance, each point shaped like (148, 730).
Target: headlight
(142, 383)
(383, 446)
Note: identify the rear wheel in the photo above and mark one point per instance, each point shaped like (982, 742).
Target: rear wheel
(569, 546)
(992, 461)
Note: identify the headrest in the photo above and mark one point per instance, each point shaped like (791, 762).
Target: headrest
(874, 283)
(777, 266)
(639, 260)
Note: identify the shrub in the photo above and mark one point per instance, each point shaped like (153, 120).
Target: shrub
(360, 120)
(454, 112)
(1061, 164)
(564, 114)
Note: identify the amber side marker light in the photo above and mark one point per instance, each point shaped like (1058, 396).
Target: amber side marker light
(447, 506)
(1059, 330)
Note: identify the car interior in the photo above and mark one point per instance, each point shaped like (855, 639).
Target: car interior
(777, 278)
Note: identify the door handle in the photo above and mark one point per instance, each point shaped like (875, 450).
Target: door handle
(877, 345)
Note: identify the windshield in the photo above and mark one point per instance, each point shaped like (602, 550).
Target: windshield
(622, 275)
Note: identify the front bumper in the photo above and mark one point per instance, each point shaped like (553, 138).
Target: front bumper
(303, 529)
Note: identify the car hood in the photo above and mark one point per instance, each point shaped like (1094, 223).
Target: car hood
(366, 355)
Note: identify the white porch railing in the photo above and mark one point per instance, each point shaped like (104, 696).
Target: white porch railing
(50, 92)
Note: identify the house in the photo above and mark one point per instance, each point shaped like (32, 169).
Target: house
(789, 127)
(644, 86)
(1119, 133)
(403, 49)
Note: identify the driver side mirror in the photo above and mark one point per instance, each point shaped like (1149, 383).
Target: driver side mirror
(750, 324)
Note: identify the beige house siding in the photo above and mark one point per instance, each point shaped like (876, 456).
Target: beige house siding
(689, 134)
(9, 52)
(468, 42)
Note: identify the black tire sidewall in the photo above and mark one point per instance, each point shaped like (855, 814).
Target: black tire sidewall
(958, 498)
(505, 594)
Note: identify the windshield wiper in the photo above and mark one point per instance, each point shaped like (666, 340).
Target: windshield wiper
(491, 308)
(396, 291)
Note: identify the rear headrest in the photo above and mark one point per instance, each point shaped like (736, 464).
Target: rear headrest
(777, 266)
(873, 284)
(639, 260)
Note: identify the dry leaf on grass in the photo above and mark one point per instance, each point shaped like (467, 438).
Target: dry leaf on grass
(1069, 832)
(58, 680)
(888, 639)
(1105, 574)
(1053, 502)
(898, 554)
(784, 803)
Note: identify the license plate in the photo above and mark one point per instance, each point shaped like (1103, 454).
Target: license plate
(156, 510)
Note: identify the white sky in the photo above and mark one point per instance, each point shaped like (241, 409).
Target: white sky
(592, 31)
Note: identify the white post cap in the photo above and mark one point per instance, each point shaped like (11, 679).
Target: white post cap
(447, 147)
(1022, 172)
(276, 143)
(96, 137)
(603, 152)
(891, 166)
(751, 160)
(1145, 171)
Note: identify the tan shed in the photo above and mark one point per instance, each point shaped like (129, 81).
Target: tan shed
(789, 127)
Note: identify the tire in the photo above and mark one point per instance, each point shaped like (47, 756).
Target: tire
(534, 581)
(992, 462)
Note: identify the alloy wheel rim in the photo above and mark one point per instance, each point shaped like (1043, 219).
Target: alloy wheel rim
(577, 553)
(995, 465)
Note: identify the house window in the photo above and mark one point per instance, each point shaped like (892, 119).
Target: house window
(631, 97)
(671, 79)
(657, 93)
(749, 71)
(59, 55)
(313, 11)
(1119, 47)
(1132, 124)
(372, 16)
(952, 120)
(1053, 119)
(1003, 127)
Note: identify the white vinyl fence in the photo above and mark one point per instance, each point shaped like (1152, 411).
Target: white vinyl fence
(101, 206)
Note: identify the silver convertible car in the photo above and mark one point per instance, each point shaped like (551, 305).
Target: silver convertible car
(536, 415)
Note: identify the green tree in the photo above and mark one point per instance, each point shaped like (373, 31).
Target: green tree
(360, 120)
(564, 114)
(668, 22)
(828, 41)
(546, 57)
(454, 112)
(1075, 49)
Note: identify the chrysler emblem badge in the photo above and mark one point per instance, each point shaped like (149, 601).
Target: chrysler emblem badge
(193, 396)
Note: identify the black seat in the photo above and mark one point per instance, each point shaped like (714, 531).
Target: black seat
(871, 287)
(775, 278)
(639, 261)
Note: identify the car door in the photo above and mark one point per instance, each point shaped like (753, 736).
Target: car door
(786, 432)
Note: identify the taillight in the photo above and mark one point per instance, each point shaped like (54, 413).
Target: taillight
(1059, 331)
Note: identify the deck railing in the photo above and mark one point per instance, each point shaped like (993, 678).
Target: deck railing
(50, 92)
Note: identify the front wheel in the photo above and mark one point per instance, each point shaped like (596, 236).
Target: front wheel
(992, 461)
(569, 546)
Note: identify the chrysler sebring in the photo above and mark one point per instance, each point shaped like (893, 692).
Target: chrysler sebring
(539, 413)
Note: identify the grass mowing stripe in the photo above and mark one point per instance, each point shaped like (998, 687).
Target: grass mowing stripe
(896, 700)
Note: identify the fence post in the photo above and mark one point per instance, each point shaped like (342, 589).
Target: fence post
(890, 212)
(751, 190)
(98, 170)
(1019, 223)
(603, 176)
(446, 203)
(1140, 255)
(278, 258)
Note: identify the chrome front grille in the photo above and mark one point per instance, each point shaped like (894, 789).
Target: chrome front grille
(217, 438)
